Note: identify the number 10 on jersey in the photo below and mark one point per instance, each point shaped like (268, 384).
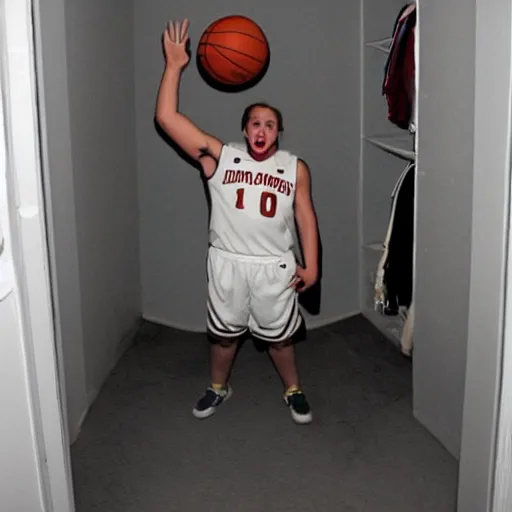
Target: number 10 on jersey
(268, 202)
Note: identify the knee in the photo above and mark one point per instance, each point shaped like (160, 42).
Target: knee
(227, 342)
(222, 342)
(280, 345)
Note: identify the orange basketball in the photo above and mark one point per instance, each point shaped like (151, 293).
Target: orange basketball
(233, 50)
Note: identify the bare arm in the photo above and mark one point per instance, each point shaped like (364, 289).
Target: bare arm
(180, 128)
(308, 227)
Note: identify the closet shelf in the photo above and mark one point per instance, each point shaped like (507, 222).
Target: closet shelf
(383, 45)
(390, 326)
(374, 246)
(398, 145)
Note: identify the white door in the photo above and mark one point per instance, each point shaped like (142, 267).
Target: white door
(34, 451)
(502, 478)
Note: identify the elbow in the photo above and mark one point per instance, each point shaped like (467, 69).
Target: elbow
(166, 121)
(162, 119)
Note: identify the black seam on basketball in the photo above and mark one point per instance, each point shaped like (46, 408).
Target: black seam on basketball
(241, 33)
(211, 26)
(205, 55)
(216, 45)
(215, 23)
(211, 70)
(231, 60)
(217, 76)
(221, 78)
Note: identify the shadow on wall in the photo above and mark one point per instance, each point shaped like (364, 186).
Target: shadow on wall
(188, 159)
(311, 299)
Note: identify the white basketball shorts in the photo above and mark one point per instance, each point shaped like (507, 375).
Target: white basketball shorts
(252, 293)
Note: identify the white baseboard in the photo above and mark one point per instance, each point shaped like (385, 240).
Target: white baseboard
(313, 323)
(174, 325)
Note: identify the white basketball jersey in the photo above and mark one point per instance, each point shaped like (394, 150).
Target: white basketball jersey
(253, 203)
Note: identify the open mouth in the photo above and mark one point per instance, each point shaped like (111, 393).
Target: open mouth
(259, 143)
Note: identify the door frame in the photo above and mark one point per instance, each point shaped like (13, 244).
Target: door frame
(30, 257)
(484, 472)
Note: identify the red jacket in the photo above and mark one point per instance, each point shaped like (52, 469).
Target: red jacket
(399, 79)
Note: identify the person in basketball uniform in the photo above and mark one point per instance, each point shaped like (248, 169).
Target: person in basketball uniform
(258, 192)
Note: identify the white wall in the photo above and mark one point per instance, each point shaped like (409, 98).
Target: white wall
(446, 117)
(99, 44)
(86, 49)
(315, 81)
(56, 153)
(490, 290)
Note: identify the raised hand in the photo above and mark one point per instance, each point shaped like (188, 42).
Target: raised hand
(175, 40)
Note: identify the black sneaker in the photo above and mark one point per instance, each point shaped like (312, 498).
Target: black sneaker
(299, 407)
(209, 402)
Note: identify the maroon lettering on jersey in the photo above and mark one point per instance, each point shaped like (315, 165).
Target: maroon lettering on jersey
(248, 178)
(259, 179)
(229, 177)
(239, 177)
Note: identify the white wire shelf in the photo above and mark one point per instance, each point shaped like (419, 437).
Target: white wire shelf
(390, 326)
(383, 45)
(374, 246)
(398, 145)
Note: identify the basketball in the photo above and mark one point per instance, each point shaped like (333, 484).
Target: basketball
(233, 50)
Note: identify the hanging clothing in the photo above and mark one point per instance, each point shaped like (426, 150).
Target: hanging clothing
(399, 77)
(407, 339)
(394, 282)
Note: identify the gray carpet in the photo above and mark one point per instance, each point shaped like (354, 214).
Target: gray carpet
(142, 450)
